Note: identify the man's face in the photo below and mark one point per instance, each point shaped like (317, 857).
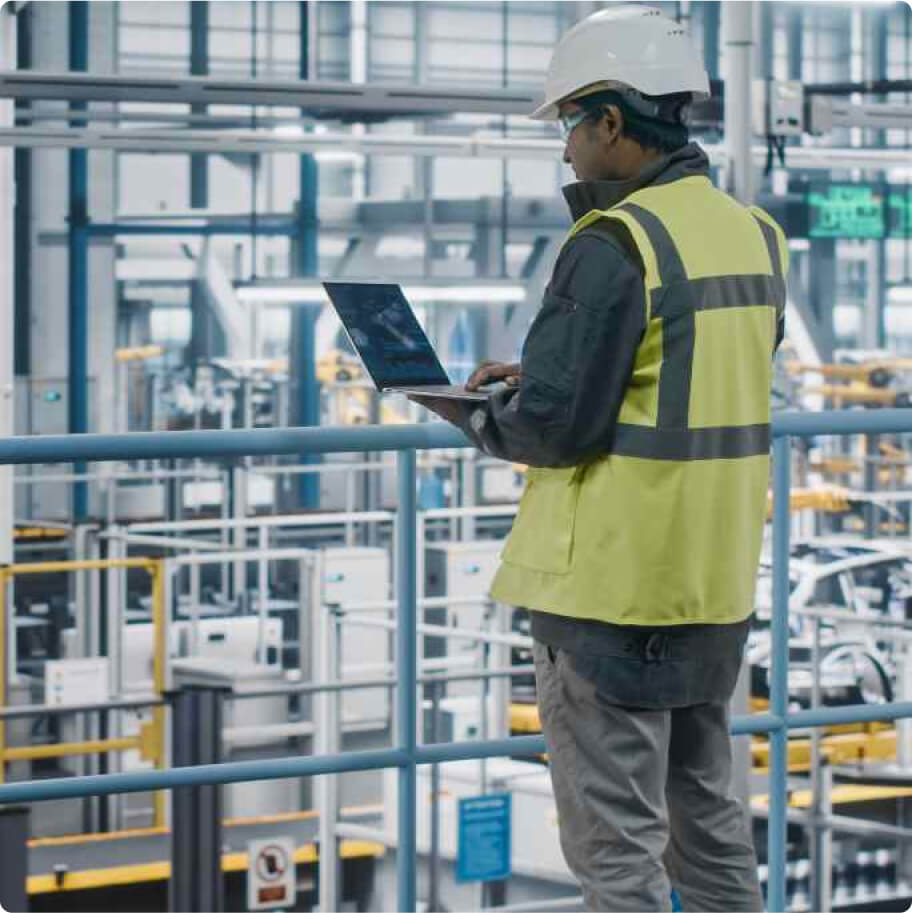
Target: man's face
(592, 147)
(579, 148)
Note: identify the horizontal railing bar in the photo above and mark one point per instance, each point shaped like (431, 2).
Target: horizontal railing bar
(842, 823)
(200, 775)
(290, 521)
(847, 615)
(150, 475)
(540, 906)
(842, 421)
(443, 752)
(755, 723)
(278, 768)
(359, 684)
(69, 749)
(857, 713)
(26, 710)
(145, 445)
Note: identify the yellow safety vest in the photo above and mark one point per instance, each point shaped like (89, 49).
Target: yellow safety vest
(666, 528)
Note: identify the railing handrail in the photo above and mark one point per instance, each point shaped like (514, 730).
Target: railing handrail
(145, 445)
(407, 753)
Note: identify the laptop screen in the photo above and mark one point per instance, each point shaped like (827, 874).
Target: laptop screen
(386, 334)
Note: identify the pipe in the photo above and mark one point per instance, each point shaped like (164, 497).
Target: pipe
(778, 749)
(78, 265)
(738, 39)
(68, 749)
(148, 445)
(407, 666)
(512, 148)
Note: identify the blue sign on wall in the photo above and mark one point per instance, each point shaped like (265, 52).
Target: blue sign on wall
(484, 838)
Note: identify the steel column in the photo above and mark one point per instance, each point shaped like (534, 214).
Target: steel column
(206, 336)
(794, 30)
(778, 770)
(737, 28)
(78, 290)
(406, 668)
(196, 844)
(8, 309)
(711, 38)
(302, 356)
(14, 833)
(199, 66)
(23, 207)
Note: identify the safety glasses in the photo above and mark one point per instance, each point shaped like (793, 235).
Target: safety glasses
(567, 123)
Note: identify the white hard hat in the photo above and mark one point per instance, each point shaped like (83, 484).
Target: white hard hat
(623, 45)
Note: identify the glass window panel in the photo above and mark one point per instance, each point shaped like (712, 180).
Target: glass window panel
(286, 15)
(286, 48)
(334, 17)
(230, 14)
(452, 24)
(391, 18)
(154, 42)
(333, 62)
(541, 27)
(398, 54)
(225, 45)
(160, 13)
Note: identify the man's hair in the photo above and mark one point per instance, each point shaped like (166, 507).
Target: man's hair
(666, 132)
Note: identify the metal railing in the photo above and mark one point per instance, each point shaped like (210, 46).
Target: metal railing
(407, 753)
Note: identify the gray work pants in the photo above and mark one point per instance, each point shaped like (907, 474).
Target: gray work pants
(644, 798)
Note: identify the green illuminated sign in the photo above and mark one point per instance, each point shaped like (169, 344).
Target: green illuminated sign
(899, 212)
(846, 211)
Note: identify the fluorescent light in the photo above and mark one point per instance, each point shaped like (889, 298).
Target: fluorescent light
(417, 294)
(331, 156)
(900, 294)
(276, 294)
(499, 294)
(799, 244)
(289, 130)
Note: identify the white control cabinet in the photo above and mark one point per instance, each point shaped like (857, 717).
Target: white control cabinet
(352, 576)
(460, 571)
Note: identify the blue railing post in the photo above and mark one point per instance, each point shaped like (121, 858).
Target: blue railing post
(78, 276)
(407, 672)
(778, 769)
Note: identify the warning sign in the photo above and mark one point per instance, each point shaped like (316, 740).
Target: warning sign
(270, 873)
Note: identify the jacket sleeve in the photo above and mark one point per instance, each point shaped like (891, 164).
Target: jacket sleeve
(576, 361)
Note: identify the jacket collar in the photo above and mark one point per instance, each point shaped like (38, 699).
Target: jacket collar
(584, 196)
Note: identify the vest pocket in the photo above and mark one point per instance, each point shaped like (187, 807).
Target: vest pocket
(542, 534)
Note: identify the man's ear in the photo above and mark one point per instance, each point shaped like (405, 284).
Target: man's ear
(611, 123)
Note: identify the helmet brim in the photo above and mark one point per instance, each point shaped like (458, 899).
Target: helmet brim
(548, 111)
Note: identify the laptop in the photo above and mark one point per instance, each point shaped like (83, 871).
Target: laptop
(386, 334)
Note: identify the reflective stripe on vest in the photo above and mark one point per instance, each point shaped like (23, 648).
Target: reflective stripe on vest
(676, 299)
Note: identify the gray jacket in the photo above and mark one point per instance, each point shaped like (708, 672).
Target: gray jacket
(578, 355)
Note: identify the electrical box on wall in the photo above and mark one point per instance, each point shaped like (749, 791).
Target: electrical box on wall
(778, 107)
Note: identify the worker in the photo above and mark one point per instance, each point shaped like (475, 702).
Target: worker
(641, 405)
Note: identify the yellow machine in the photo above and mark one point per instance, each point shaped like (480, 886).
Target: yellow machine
(342, 377)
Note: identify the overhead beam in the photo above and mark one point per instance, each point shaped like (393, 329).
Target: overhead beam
(252, 141)
(342, 100)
